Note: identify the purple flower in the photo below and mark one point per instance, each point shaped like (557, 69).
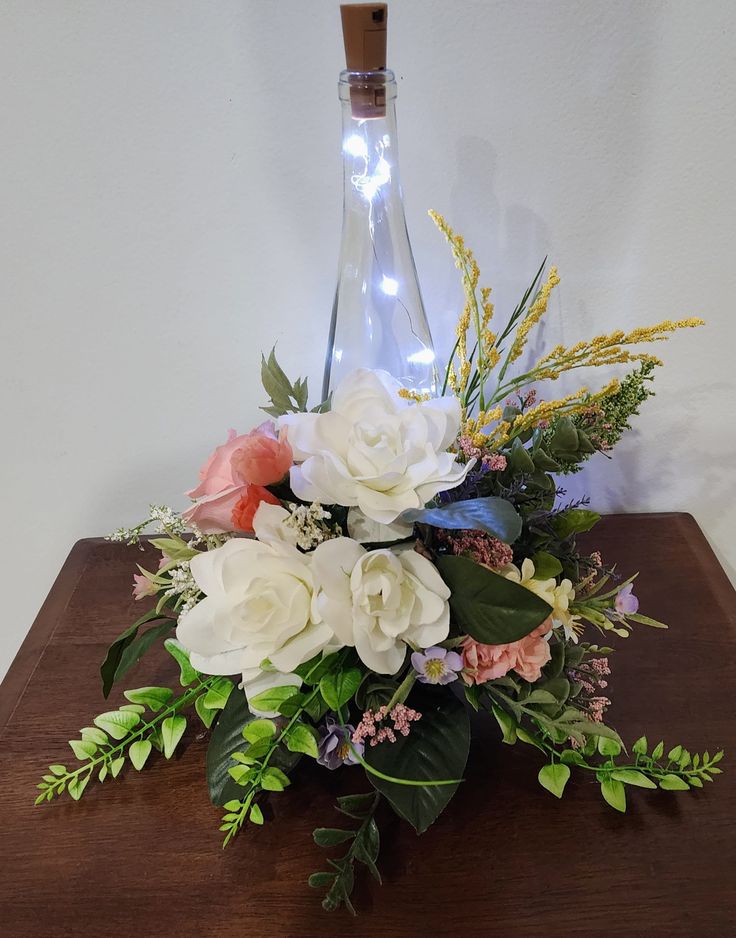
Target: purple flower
(335, 747)
(626, 602)
(436, 665)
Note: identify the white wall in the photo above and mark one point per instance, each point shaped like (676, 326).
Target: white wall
(169, 205)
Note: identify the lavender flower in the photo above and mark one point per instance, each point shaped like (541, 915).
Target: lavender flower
(626, 602)
(335, 745)
(436, 665)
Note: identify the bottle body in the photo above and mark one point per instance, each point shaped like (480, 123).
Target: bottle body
(378, 317)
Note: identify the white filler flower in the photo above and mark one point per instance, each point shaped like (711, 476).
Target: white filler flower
(379, 600)
(258, 601)
(374, 449)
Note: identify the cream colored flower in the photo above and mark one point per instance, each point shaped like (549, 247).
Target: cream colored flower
(375, 450)
(257, 605)
(558, 596)
(379, 601)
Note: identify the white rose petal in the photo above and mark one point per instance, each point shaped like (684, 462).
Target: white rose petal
(379, 601)
(375, 450)
(258, 605)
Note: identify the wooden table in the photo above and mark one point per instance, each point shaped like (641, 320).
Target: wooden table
(141, 855)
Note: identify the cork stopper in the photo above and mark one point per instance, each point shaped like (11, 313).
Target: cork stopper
(364, 35)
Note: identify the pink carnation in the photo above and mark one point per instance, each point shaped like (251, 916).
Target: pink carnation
(241, 464)
(527, 657)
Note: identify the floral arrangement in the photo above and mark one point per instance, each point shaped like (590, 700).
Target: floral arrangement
(350, 581)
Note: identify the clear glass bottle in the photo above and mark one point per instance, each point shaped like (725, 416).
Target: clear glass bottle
(378, 318)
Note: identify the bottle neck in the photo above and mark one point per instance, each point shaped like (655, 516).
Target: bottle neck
(369, 140)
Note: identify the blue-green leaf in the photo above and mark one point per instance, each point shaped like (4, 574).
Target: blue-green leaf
(494, 515)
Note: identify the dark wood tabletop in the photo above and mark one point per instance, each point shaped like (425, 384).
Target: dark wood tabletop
(141, 855)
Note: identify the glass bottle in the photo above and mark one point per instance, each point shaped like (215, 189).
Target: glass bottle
(378, 318)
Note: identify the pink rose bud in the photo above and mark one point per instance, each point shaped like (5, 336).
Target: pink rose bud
(262, 458)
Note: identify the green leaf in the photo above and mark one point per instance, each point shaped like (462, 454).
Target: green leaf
(673, 783)
(92, 734)
(274, 779)
(138, 752)
(82, 750)
(117, 723)
(507, 723)
(331, 836)
(113, 667)
(77, 785)
(614, 793)
(657, 751)
(116, 765)
(574, 521)
(256, 815)
(174, 548)
(177, 651)
(152, 697)
(435, 749)
(339, 688)
(58, 769)
(545, 566)
(133, 708)
(495, 516)
(527, 738)
(259, 729)
(271, 699)
(321, 879)
(302, 738)
(216, 697)
(172, 730)
(487, 606)
(554, 777)
(608, 747)
(633, 777)
(640, 746)
(205, 715)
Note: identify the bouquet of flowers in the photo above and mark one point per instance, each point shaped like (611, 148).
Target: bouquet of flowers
(350, 581)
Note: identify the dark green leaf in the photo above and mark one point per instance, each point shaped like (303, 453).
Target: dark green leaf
(115, 666)
(487, 606)
(546, 566)
(495, 516)
(574, 521)
(436, 748)
(330, 836)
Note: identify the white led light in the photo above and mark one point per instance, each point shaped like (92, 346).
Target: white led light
(355, 145)
(390, 286)
(424, 357)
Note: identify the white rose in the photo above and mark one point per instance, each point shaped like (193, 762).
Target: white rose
(374, 449)
(258, 599)
(380, 600)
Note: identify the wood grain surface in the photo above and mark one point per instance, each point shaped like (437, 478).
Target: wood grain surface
(141, 856)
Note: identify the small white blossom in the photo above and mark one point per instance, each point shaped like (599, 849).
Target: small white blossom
(309, 524)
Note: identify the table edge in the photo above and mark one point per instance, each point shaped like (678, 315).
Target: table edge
(44, 625)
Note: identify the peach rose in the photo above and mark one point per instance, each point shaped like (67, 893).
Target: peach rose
(527, 657)
(248, 504)
(259, 457)
(262, 457)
